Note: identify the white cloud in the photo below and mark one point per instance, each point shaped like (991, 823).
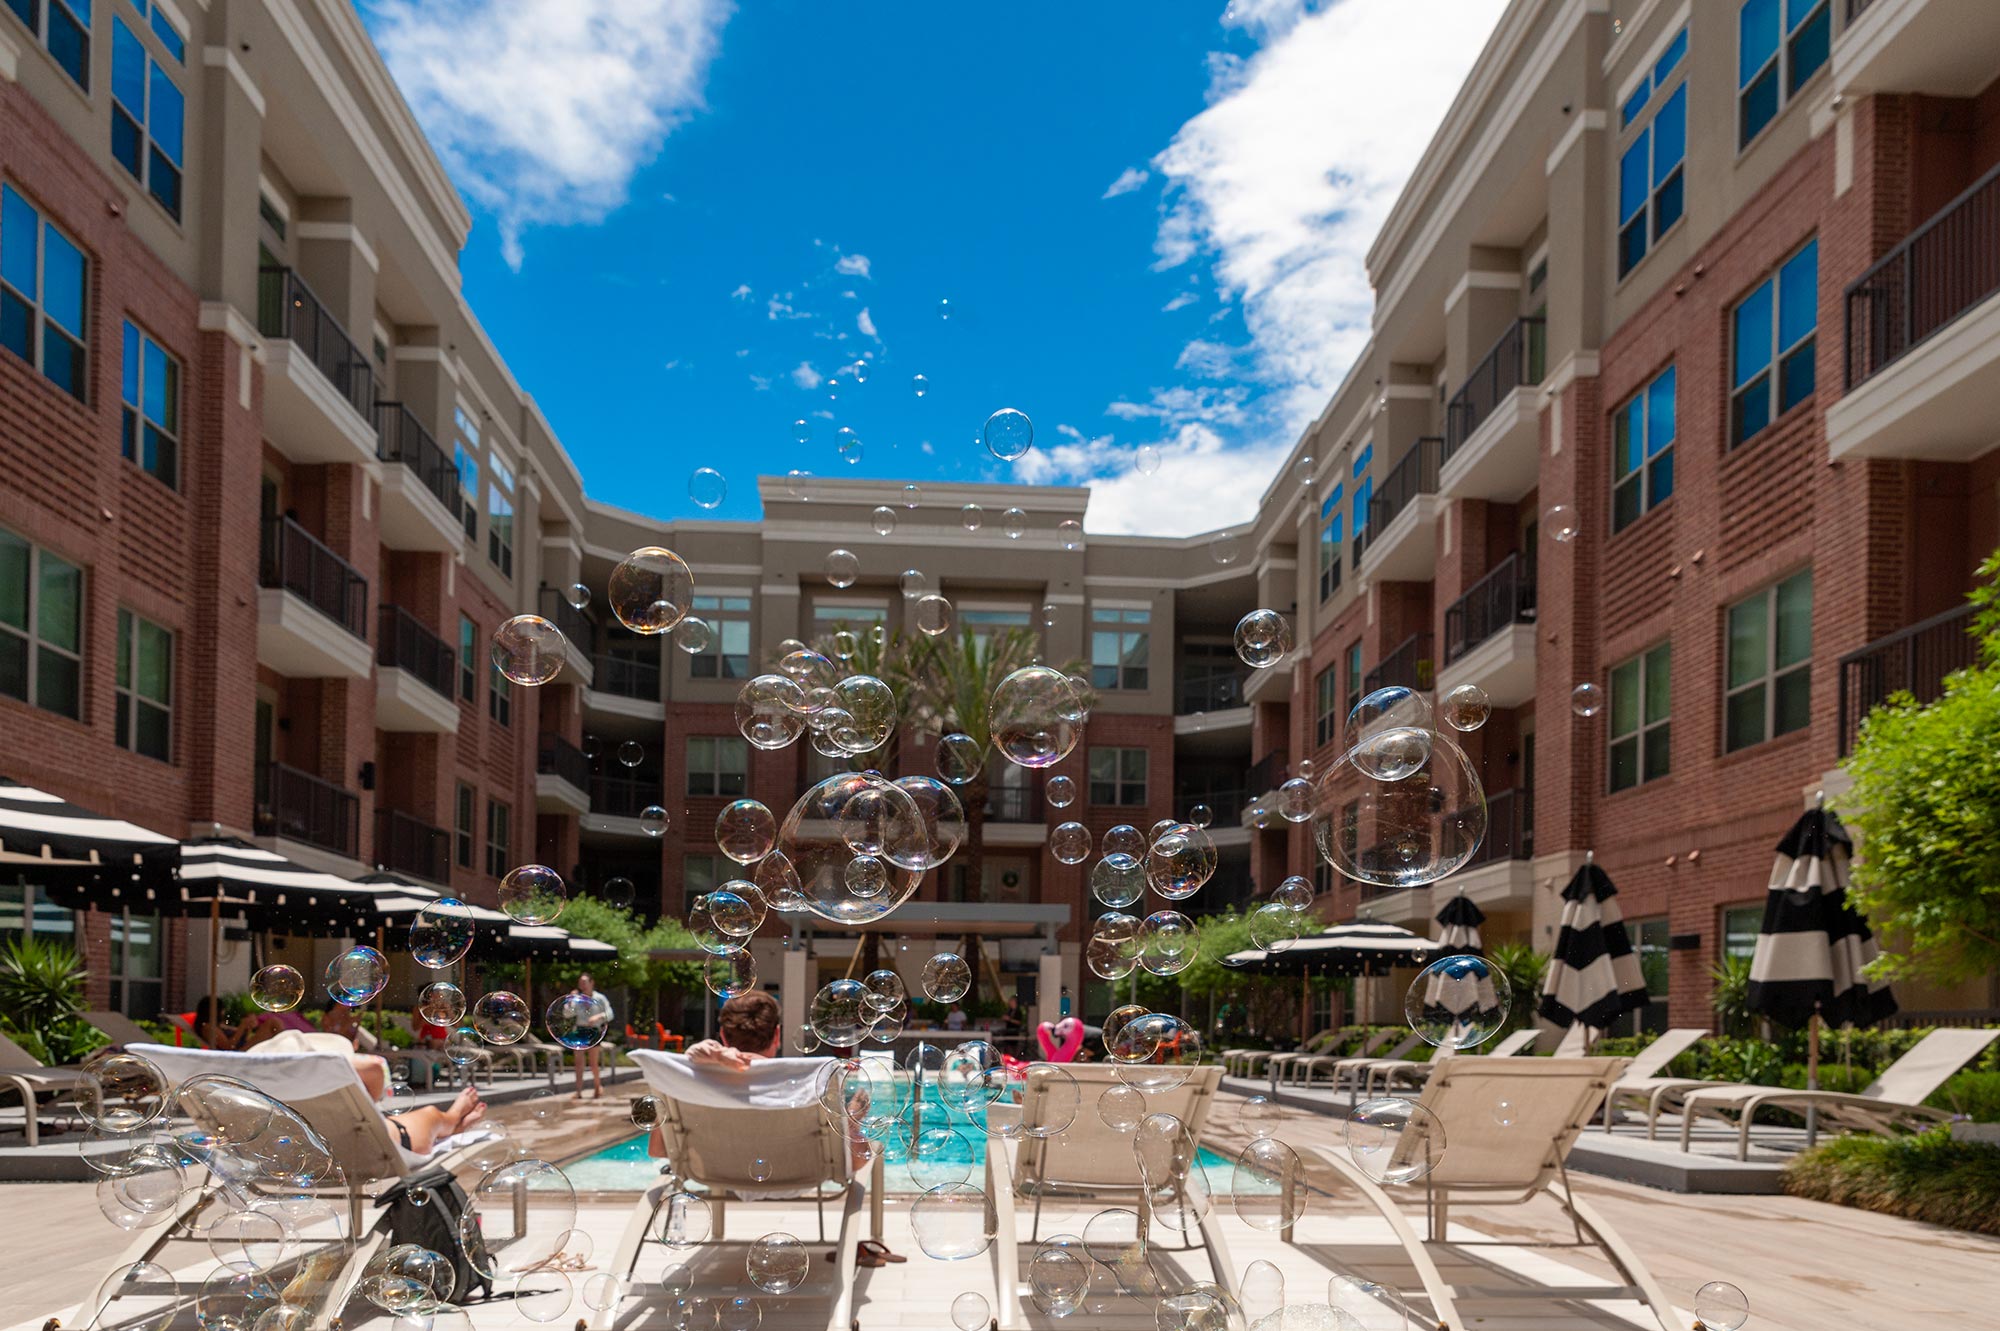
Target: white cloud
(741, 352)
(865, 324)
(544, 113)
(1205, 406)
(761, 382)
(1210, 360)
(1182, 301)
(852, 265)
(1128, 180)
(1268, 18)
(805, 376)
(1203, 482)
(742, 292)
(928, 450)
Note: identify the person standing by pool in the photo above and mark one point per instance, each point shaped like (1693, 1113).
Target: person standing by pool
(600, 1015)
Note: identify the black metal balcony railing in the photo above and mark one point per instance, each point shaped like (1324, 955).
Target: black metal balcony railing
(1415, 473)
(1510, 829)
(626, 676)
(1013, 804)
(402, 643)
(623, 796)
(1225, 804)
(401, 437)
(1506, 595)
(1267, 773)
(1941, 270)
(305, 808)
(557, 757)
(1410, 665)
(1914, 660)
(287, 308)
(1211, 694)
(299, 562)
(575, 625)
(1515, 361)
(412, 846)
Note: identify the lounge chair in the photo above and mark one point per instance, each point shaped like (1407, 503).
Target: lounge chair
(1642, 1075)
(1388, 1077)
(1354, 1069)
(719, 1125)
(31, 1077)
(1284, 1066)
(1093, 1160)
(1892, 1101)
(122, 1029)
(1491, 1162)
(1246, 1062)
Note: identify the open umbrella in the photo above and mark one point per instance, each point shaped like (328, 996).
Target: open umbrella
(83, 859)
(1594, 976)
(1460, 920)
(1462, 994)
(1360, 948)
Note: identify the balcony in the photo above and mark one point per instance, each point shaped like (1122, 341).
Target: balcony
(624, 693)
(1492, 432)
(412, 846)
(1014, 804)
(1941, 47)
(299, 806)
(1923, 340)
(1402, 517)
(1212, 694)
(1914, 660)
(416, 677)
(312, 611)
(562, 777)
(1489, 635)
(628, 677)
(1510, 829)
(1410, 666)
(579, 637)
(617, 801)
(423, 507)
(1499, 876)
(319, 390)
(1267, 773)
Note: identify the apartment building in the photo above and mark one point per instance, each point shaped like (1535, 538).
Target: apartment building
(1709, 287)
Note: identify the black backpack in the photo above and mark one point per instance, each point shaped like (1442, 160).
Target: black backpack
(434, 1223)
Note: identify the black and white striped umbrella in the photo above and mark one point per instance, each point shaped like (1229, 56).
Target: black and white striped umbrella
(1594, 976)
(272, 892)
(1813, 943)
(82, 858)
(1363, 947)
(1459, 923)
(1462, 992)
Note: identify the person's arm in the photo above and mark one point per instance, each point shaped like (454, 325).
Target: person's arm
(714, 1053)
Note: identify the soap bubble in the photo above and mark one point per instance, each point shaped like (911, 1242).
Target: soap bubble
(1167, 944)
(1405, 832)
(277, 988)
(1154, 1052)
(120, 1092)
(728, 976)
(578, 1021)
(577, 595)
(543, 1295)
(441, 933)
(839, 1013)
(971, 1312)
(650, 590)
(1720, 1306)
(694, 635)
(736, 908)
(645, 1112)
(140, 1297)
(1147, 460)
(1225, 549)
(1269, 1185)
(1263, 637)
(885, 989)
(802, 433)
(1069, 533)
(939, 1155)
(852, 814)
(959, 759)
(1113, 948)
(946, 978)
(950, 1222)
(250, 1239)
(654, 822)
(1458, 1002)
(913, 494)
(1008, 434)
(1586, 699)
(1060, 792)
(1171, 1168)
(441, 1003)
(1181, 859)
(1201, 816)
(1294, 894)
(463, 1047)
(1387, 733)
(1394, 1141)
(1273, 927)
(778, 1263)
(745, 831)
(1295, 800)
(1121, 1107)
(1466, 707)
(1070, 843)
(939, 830)
(1560, 522)
(1258, 1116)
(528, 650)
(356, 976)
(768, 711)
(972, 517)
(1058, 1274)
(1118, 879)
(1035, 717)
(500, 1017)
(841, 567)
(933, 615)
(232, 1300)
(533, 894)
(1049, 1099)
(1503, 1113)
(604, 1291)
(1124, 839)
(883, 520)
(707, 488)
(848, 444)
(1014, 524)
(631, 753)
(683, 1221)
(867, 876)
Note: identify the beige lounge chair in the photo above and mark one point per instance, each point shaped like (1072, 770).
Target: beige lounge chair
(1893, 1100)
(1488, 1162)
(30, 1076)
(1353, 1069)
(1642, 1075)
(1247, 1062)
(718, 1126)
(1299, 1065)
(122, 1029)
(1388, 1077)
(1090, 1159)
(1275, 1065)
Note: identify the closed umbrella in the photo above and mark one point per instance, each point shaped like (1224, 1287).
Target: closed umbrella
(1461, 995)
(1594, 976)
(1813, 945)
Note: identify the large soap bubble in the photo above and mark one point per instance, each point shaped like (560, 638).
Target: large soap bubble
(651, 590)
(1274, 926)
(1118, 879)
(840, 1013)
(946, 978)
(120, 1092)
(950, 1222)
(524, 1210)
(1458, 1002)
(533, 894)
(500, 1017)
(1388, 733)
(1720, 1306)
(941, 825)
(528, 650)
(1405, 832)
(356, 976)
(1155, 1052)
(770, 711)
(1181, 859)
(277, 988)
(1263, 637)
(852, 814)
(778, 1263)
(441, 1003)
(1036, 716)
(1268, 1186)
(1168, 943)
(441, 933)
(577, 1020)
(745, 831)
(1394, 1141)
(871, 707)
(1112, 951)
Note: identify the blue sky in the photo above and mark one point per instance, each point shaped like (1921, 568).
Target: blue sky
(692, 220)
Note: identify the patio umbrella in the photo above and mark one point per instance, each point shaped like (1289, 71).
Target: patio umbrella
(1359, 948)
(1454, 997)
(1807, 968)
(1461, 919)
(1594, 976)
(83, 859)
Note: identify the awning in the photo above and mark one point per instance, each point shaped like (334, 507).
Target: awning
(1345, 949)
(86, 859)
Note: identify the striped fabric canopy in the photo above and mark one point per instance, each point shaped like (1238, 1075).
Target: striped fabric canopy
(1813, 944)
(1469, 989)
(81, 859)
(1594, 976)
(1460, 920)
(402, 897)
(1345, 949)
(272, 892)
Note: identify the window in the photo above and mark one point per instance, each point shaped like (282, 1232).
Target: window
(727, 655)
(1653, 941)
(1640, 698)
(1118, 776)
(145, 687)
(1774, 326)
(468, 673)
(165, 26)
(1118, 647)
(63, 26)
(1642, 452)
(700, 874)
(500, 698)
(500, 518)
(1651, 179)
(1770, 664)
(152, 394)
(1326, 691)
(1740, 927)
(148, 116)
(41, 627)
(1654, 79)
(461, 827)
(717, 765)
(831, 616)
(1364, 489)
(1353, 675)
(1775, 55)
(25, 910)
(1330, 541)
(272, 214)
(465, 454)
(135, 964)
(1211, 676)
(499, 839)
(43, 281)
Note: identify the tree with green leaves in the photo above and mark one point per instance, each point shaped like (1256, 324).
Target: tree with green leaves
(1926, 810)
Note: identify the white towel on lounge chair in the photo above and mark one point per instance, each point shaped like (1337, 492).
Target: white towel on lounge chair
(769, 1083)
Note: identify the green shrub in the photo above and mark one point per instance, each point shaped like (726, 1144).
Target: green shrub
(1832, 1077)
(1730, 996)
(1927, 1177)
(41, 982)
(1974, 1093)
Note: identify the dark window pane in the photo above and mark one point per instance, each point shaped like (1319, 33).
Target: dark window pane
(1667, 204)
(1809, 48)
(122, 731)
(125, 140)
(1657, 750)
(17, 326)
(69, 43)
(28, 11)
(1104, 676)
(1794, 702)
(1760, 106)
(62, 361)
(1746, 719)
(1625, 764)
(1631, 245)
(1660, 478)
(1796, 375)
(1625, 504)
(13, 666)
(1751, 411)
(57, 686)
(155, 727)
(165, 183)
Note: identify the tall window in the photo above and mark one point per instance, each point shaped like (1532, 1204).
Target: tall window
(1772, 367)
(1740, 927)
(499, 838)
(1119, 646)
(468, 672)
(1330, 541)
(727, 655)
(717, 765)
(1640, 728)
(462, 827)
(1211, 676)
(1353, 675)
(135, 964)
(1326, 694)
(1653, 941)
(1364, 489)
(1651, 179)
(1118, 776)
(1770, 664)
(1779, 45)
(500, 697)
(43, 287)
(145, 687)
(41, 627)
(152, 393)
(700, 874)
(63, 26)
(1642, 451)
(164, 27)
(465, 455)
(500, 518)
(148, 117)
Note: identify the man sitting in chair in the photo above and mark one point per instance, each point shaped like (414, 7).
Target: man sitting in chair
(749, 1028)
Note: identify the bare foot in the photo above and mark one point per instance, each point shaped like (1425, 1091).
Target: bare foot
(465, 1110)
